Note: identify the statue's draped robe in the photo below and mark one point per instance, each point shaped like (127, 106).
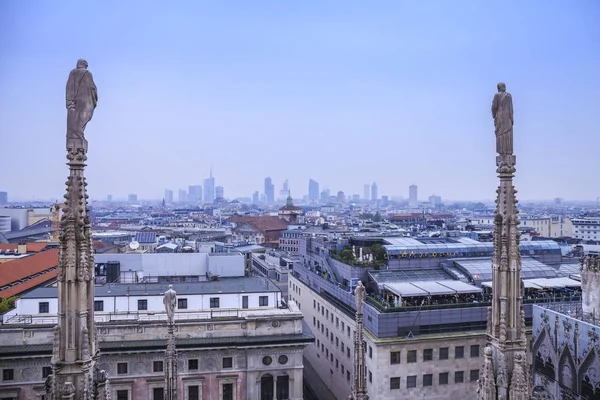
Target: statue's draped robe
(82, 97)
(502, 111)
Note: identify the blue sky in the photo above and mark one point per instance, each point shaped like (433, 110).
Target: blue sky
(347, 93)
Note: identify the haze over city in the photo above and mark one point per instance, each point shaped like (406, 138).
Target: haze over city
(398, 93)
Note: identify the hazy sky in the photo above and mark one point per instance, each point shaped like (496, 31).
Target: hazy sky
(347, 93)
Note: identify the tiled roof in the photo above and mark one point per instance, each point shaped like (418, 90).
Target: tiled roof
(262, 223)
(18, 270)
(31, 247)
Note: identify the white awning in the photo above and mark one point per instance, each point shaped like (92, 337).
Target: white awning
(555, 282)
(460, 287)
(434, 288)
(404, 289)
(529, 284)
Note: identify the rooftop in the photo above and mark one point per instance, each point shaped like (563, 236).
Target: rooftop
(18, 276)
(222, 286)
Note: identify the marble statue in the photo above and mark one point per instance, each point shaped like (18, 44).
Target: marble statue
(502, 111)
(170, 302)
(359, 293)
(82, 97)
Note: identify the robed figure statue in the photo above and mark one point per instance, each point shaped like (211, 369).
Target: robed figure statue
(82, 97)
(170, 302)
(359, 297)
(502, 111)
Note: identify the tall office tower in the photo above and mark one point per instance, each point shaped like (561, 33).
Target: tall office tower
(413, 201)
(286, 186)
(341, 197)
(168, 196)
(219, 192)
(269, 190)
(182, 196)
(195, 193)
(325, 194)
(505, 373)
(109, 197)
(209, 188)
(284, 192)
(374, 193)
(367, 192)
(3, 198)
(435, 201)
(313, 191)
(132, 198)
(255, 197)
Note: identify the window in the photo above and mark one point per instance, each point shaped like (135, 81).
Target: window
(157, 366)
(475, 350)
(142, 305)
(8, 374)
(193, 364)
(182, 304)
(337, 364)
(411, 381)
(348, 375)
(443, 353)
(44, 307)
(343, 369)
(459, 351)
(46, 371)
(263, 301)
(214, 302)
(343, 326)
(121, 368)
(228, 391)
(474, 375)
(267, 360)
(370, 352)
(314, 321)
(394, 357)
(427, 354)
(395, 383)
(158, 394)
(411, 356)
(348, 351)
(443, 378)
(459, 376)
(99, 305)
(122, 395)
(348, 331)
(227, 362)
(427, 380)
(193, 393)
(337, 341)
(342, 347)
(314, 304)
(337, 322)
(370, 376)
(244, 301)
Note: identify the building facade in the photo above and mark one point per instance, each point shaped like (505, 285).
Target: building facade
(234, 340)
(585, 228)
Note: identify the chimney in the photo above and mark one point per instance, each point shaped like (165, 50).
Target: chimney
(22, 248)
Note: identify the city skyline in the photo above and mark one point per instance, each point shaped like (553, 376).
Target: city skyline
(307, 83)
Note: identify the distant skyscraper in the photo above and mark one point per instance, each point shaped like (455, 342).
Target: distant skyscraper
(313, 190)
(341, 197)
(182, 196)
(355, 197)
(284, 192)
(209, 188)
(195, 193)
(367, 192)
(435, 201)
(132, 198)
(255, 197)
(286, 186)
(109, 197)
(168, 196)
(3, 198)
(413, 201)
(269, 190)
(325, 194)
(219, 191)
(374, 194)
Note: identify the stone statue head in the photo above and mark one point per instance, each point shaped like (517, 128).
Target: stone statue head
(81, 63)
(501, 87)
(170, 287)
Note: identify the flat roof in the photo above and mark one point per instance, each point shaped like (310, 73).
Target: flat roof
(480, 269)
(222, 286)
(408, 275)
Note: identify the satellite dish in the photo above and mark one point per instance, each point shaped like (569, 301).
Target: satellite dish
(134, 245)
